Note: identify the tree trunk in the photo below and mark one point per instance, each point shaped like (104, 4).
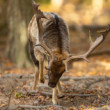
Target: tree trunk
(19, 14)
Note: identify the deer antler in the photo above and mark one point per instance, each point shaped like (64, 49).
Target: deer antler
(39, 15)
(93, 45)
(35, 6)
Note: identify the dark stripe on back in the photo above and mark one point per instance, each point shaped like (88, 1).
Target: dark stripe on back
(60, 45)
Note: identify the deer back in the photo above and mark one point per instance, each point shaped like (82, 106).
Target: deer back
(55, 34)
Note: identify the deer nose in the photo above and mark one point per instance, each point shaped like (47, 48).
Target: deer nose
(52, 84)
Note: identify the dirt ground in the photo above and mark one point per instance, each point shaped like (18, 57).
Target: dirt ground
(85, 87)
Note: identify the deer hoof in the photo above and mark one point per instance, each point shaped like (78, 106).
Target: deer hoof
(34, 88)
(55, 102)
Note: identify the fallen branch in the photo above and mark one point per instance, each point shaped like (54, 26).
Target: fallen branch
(65, 94)
(95, 78)
(47, 106)
(33, 107)
(34, 93)
(81, 95)
(103, 108)
(91, 78)
(96, 81)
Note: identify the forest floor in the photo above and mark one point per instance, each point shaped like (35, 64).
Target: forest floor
(85, 87)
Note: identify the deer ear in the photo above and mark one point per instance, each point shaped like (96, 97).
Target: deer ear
(35, 5)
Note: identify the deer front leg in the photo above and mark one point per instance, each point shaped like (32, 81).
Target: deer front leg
(54, 96)
(55, 92)
(41, 64)
(59, 88)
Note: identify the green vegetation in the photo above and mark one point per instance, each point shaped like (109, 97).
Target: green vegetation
(43, 1)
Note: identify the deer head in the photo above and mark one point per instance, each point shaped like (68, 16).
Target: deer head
(55, 71)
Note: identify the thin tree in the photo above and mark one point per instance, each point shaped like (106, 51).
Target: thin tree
(18, 16)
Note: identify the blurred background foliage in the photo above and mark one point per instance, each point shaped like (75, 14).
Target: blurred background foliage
(43, 1)
(80, 15)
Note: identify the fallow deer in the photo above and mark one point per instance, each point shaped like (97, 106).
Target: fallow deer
(49, 36)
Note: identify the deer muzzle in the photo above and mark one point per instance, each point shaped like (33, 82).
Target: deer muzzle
(52, 84)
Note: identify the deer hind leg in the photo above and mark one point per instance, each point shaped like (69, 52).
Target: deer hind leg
(36, 63)
(36, 76)
(38, 70)
(39, 76)
(40, 57)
